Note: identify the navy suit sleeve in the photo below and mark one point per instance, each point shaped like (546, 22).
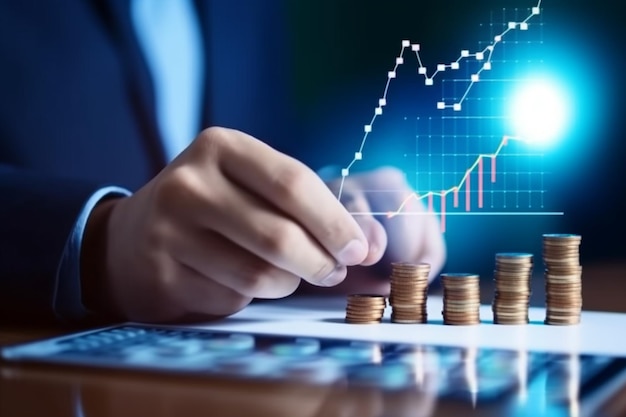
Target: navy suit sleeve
(41, 224)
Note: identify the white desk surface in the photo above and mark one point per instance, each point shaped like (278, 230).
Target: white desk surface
(598, 333)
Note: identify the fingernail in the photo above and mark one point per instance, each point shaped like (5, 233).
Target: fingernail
(335, 277)
(353, 253)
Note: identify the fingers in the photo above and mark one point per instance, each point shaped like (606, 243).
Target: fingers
(255, 226)
(376, 236)
(219, 259)
(355, 201)
(298, 192)
(413, 236)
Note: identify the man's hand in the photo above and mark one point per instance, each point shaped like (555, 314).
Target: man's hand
(229, 220)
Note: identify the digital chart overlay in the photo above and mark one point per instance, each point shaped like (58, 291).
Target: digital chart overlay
(467, 193)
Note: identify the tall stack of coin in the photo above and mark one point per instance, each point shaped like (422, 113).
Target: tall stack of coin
(561, 255)
(512, 277)
(409, 287)
(461, 299)
(365, 308)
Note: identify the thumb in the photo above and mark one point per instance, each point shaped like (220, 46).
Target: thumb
(356, 203)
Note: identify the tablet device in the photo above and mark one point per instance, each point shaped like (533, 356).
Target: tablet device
(477, 375)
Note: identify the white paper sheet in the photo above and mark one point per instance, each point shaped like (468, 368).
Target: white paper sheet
(598, 333)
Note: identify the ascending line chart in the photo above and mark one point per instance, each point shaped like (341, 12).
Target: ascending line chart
(466, 195)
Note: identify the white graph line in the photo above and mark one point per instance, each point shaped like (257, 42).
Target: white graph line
(483, 55)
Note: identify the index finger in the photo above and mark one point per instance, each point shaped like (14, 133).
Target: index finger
(296, 190)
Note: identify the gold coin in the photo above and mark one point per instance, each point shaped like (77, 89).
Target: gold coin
(461, 323)
(515, 256)
(362, 322)
(459, 276)
(562, 237)
(354, 310)
(366, 297)
(409, 321)
(510, 322)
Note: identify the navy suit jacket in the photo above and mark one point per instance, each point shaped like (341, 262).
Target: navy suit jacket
(77, 112)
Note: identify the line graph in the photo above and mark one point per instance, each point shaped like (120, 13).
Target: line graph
(465, 181)
(472, 180)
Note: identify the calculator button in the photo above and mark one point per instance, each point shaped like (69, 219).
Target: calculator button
(230, 343)
(298, 348)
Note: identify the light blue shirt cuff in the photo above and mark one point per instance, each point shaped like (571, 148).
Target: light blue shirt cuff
(68, 305)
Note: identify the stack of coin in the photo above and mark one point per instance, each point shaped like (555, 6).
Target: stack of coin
(365, 308)
(408, 294)
(512, 276)
(461, 299)
(561, 255)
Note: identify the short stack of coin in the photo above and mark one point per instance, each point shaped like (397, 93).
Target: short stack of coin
(408, 294)
(461, 299)
(365, 308)
(512, 295)
(561, 255)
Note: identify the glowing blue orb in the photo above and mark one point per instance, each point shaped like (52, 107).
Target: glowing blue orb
(540, 111)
